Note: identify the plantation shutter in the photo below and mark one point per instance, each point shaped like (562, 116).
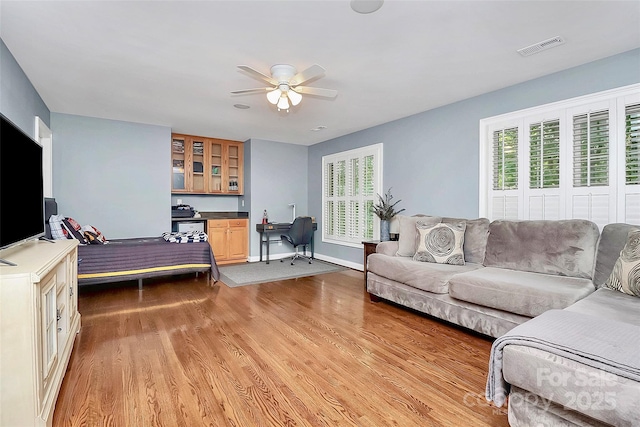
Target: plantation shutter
(543, 194)
(632, 164)
(578, 158)
(504, 194)
(341, 214)
(355, 204)
(329, 214)
(591, 196)
(351, 180)
(369, 190)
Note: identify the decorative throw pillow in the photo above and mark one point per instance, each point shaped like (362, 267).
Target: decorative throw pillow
(625, 276)
(95, 232)
(441, 243)
(58, 232)
(92, 238)
(74, 230)
(408, 238)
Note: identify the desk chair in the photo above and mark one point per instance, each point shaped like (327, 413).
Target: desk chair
(299, 234)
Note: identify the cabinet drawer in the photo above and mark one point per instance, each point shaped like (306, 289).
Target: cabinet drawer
(218, 223)
(238, 222)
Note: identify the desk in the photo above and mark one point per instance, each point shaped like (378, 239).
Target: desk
(277, 227)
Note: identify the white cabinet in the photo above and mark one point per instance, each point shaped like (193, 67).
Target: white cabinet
(39, 320)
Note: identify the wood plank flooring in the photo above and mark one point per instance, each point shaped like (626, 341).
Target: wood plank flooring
(312, 351)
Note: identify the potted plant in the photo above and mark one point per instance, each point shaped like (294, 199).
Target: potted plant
(385, 210)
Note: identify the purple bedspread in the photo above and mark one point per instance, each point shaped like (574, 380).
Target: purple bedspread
(139, 258)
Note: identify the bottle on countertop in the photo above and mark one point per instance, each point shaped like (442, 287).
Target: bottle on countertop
(265, 217)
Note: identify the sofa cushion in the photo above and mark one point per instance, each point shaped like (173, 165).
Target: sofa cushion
(625, 276)
(612, 240)
(564, 247)
(475, 237)
(521, 292)
(408, 234)
(420, 275)
(440, 243)
(610, 304)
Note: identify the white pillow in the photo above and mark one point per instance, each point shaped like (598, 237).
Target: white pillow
(441, 243)
(58, 231)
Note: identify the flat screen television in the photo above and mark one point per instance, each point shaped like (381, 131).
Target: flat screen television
(21, 186)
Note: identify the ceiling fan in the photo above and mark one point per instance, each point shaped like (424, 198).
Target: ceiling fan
(287, 84)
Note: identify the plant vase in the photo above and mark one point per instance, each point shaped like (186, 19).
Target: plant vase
(384, 230)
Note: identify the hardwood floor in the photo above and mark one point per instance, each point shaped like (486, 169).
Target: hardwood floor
(312, 351)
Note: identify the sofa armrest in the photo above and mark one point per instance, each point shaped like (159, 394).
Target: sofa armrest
(387, 248)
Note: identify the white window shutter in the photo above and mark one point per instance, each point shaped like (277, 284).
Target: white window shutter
(631, 182)
(352, 181)
(578, 158)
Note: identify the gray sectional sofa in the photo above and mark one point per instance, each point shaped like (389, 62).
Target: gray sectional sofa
(566, 348)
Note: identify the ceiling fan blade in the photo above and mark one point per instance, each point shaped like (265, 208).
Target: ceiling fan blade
(306, 75)
(256, 90)
(257, 74)
(329, 93)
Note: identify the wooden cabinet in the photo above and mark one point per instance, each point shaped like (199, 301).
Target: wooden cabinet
(201, 165)
(39, 320)
(229, 239)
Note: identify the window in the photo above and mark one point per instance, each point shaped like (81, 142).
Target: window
(351, 181)
(632, 144)
(578, 158)
(505, 159)
(591, 149)
(544, 154)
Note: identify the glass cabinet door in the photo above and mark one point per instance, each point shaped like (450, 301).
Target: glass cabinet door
(234, 168)
(198, 165)
(177, 164)
(216, 167)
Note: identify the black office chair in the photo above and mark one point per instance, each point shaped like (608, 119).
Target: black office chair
(299, 234)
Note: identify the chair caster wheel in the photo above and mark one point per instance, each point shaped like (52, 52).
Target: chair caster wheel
(281, 260)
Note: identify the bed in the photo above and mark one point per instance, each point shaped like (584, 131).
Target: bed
(138, 258)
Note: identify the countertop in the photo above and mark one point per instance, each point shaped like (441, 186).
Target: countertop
(215, 215)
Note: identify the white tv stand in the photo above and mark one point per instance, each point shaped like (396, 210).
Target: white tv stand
(39, 320)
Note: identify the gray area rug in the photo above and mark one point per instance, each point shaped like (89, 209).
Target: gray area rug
(261, 272)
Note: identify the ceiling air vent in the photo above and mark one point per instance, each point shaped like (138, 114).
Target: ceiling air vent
(540, 46)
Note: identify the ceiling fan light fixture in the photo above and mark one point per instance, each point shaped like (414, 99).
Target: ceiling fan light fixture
(274, 96)
(283, 103)
(294, 97)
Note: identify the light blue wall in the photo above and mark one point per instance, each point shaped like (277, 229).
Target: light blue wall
(113, 175)
(204, 203)
(19, 100)
(431, 160)
(277, 177)
(244, 201)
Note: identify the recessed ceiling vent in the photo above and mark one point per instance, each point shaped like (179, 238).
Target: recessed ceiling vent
(540, 46)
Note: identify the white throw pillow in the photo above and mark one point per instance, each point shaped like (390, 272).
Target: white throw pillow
(441, 243)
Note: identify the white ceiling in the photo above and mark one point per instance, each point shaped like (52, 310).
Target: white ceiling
(174, 63)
